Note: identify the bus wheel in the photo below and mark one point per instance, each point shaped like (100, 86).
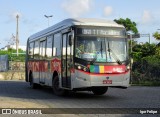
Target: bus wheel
(32, 84)
(55, 85)
(99, 90)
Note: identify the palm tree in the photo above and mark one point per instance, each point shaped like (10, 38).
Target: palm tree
(156, 35)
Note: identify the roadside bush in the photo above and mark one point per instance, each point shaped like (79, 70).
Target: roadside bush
(12, 54)
(148, 69)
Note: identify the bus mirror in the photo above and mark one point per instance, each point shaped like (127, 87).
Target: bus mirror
(70, 40)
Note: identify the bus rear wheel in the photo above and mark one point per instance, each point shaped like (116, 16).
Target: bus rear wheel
(55, 85)
(99, 90)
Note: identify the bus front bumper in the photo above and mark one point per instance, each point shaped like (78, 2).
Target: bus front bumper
(83, 79)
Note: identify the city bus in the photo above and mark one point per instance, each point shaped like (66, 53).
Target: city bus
(79, 55)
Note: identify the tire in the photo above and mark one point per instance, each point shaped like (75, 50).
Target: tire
(99, 90)
(56, 89)
(32, 84)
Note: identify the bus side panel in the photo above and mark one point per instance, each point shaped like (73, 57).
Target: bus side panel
(56, 67)
(33, 67)
(48, 79)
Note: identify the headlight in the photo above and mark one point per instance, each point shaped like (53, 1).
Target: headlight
(79, 67)
(128, 67)
(82, 67)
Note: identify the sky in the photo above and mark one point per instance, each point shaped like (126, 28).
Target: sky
(146, 13)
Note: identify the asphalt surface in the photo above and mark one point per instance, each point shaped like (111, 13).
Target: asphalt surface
(18, 94)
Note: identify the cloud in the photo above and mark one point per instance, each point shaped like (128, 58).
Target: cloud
(108, 10)
(146, 17)
(76, 8)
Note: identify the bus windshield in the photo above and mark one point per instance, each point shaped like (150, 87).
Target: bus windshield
(99, 49)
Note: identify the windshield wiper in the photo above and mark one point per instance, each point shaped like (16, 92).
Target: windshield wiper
(114, 55)
(101, 50)
(109, 50)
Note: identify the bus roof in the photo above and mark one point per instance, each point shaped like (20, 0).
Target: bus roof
(78, 21)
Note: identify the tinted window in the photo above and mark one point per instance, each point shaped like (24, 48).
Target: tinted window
(42, 49)
(57, 46)
(36, 50)
(30, 52)
(49, 47)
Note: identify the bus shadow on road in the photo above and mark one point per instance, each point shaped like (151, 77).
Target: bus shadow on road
(89, 95)
(21, 89)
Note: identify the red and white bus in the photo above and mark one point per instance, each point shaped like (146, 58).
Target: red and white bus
(79, 55)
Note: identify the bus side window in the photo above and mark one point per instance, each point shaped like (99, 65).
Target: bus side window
(54, 51)
(49, 47)
(36, 50)
(30, 52)
(42, 50)
(57, 47)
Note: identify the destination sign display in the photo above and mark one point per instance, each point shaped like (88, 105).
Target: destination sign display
(98, 31)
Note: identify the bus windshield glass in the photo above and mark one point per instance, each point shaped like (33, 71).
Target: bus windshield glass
(101, 49)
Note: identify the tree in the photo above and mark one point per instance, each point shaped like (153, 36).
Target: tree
(128, 24)
(141, 51)
(156, 35)
(12, 56)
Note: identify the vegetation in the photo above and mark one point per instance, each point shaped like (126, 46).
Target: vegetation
(156, 35)
(12, 54)
(128, 24)
(146, 58)
(146, 65)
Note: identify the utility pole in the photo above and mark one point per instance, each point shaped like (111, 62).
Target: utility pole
(17, 35)
(48, 18)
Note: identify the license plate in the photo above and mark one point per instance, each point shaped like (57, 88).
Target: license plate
(107, 81)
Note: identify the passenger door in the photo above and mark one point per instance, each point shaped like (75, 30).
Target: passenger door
(66, 61)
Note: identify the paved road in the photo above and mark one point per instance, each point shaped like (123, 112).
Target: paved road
(19, 94)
